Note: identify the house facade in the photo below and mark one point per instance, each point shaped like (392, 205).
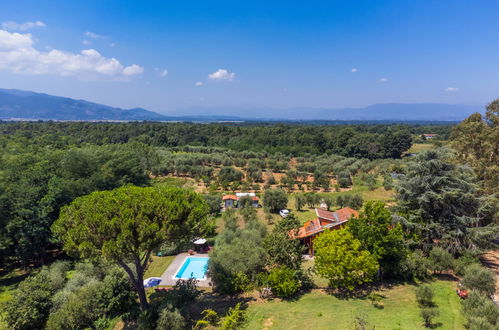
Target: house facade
(325, 220)
(232, 200)
(229, 200)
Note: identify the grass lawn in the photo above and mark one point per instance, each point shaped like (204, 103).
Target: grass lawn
(319, 310)
(158, 266)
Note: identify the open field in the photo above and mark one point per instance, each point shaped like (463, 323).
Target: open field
(320, 310)
(420, 147)
(157, 266)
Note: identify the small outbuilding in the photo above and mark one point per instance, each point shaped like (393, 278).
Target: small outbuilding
(233, 200)
(229, 200)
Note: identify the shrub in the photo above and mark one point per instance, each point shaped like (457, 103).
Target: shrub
(80, 311)
(210, 317)
(478, 278)
(354, 200)
(479, 305)
(170, 319)
(465, 261)
(30, 304)
(171, 248)
(428, 314)
(214, 202)
(344, 179)
(56, 274)
(424, 295)
(415, 266)
(229, 174)
(234, 318)
(183, 292)
(147, 319)
(375, 298)
(271, 179)
(245, 202)
(117, 294)
(479, 323)
(387, 182)
(275, 200)
(440, 260)
(283, 282)
(102, 323)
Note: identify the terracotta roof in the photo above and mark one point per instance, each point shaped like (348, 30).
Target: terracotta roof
(323, 214)
(233, 197)
(346, 213)
(333, 219)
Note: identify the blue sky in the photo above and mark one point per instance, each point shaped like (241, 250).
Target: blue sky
(276, 54)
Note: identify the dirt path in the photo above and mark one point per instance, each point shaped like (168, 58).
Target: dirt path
(491, 260)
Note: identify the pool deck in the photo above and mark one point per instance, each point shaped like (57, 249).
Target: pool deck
(168, 277)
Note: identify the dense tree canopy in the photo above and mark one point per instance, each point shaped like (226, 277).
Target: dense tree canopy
(282, 250)
(440, 199)
(126, 224)
(361, 141)
(35, 184)
(374, 229)
(340, 258)
(476, 140)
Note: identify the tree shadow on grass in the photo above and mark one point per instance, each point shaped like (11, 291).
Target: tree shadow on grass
(8, 278)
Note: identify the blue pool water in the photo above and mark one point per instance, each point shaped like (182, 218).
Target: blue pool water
(193, 267)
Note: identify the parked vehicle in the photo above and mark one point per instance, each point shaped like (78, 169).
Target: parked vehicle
(284, 213)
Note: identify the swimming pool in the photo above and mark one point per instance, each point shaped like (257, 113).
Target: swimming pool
(193, 267)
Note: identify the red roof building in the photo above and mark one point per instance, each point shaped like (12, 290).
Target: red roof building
(230, 200)
(325, 220)
(232, 197)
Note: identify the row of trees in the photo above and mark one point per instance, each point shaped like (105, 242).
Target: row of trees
(361, 141)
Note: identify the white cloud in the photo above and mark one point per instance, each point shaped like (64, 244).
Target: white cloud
(13, 26)
(132, 69)
(86, 42)
(222, 75)
(162, 72)
(452, 89)
(18, 55)
(14, 40)
(94, 35)
(354, 70)
(199, 83)
(383, 80)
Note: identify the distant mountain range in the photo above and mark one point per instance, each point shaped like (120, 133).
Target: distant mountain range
(26, 105)
(381, 112)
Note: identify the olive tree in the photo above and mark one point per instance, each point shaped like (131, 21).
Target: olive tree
(125, 225)
(275, 199)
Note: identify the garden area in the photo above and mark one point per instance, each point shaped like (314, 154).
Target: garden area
(398, 309)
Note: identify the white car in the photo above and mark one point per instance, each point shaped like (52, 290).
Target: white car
(284, 213)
